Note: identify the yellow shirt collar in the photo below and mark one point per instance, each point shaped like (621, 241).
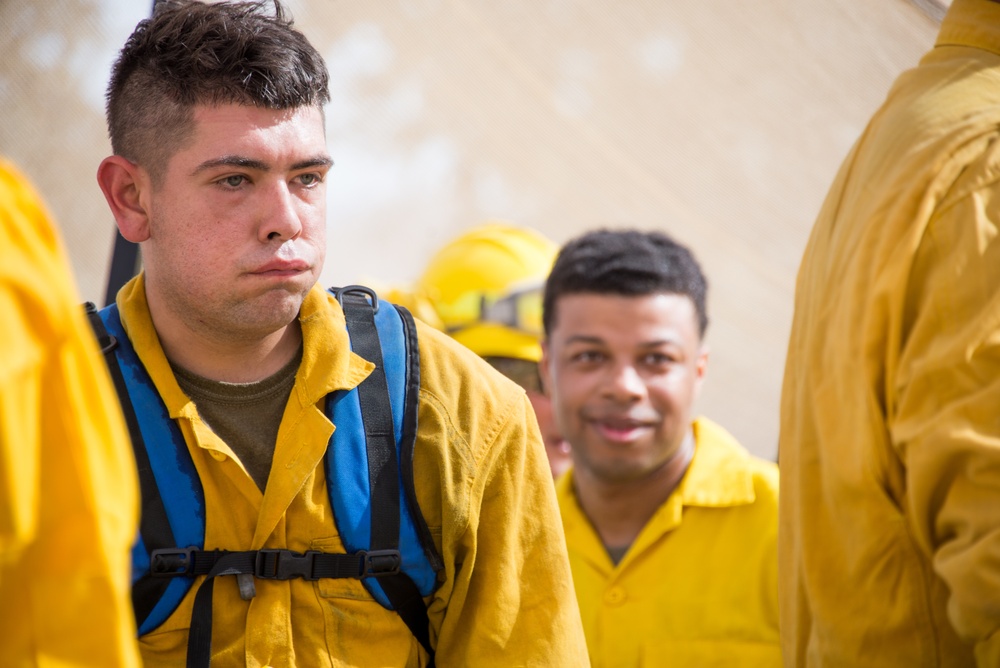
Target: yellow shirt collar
(327, 361)
(720, 473)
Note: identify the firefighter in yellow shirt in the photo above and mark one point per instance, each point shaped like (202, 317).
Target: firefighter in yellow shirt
(671, 524)
(890, 437)
(68, 496)
(215, 112)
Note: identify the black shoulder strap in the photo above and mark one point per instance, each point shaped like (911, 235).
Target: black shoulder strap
(153, 524)
(383, 467)
(409, 439)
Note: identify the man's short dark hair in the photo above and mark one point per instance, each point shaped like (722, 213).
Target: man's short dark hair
(628, 263)
(191, 53)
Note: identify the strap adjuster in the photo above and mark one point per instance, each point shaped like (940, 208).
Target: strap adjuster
(364, 291)
(285, 565)
(171, 562)
(376, 563)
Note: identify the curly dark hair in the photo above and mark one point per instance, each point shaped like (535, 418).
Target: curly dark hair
(190, 53)
(630, 263)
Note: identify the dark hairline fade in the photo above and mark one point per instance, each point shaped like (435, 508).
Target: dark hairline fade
(194, 53)
(628, 263)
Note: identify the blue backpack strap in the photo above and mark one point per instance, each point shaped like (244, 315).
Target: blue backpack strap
(370, 511)
(163, 462)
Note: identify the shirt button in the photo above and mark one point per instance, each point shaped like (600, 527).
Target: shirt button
(615, 596)
(218, 456)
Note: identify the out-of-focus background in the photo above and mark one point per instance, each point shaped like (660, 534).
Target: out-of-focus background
(720, 122)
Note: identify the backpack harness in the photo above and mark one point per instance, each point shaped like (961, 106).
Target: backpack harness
(368, 461)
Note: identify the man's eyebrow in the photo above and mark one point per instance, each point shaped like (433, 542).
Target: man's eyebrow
(596, 340)
(318, 161)
(656, 343)
(251, 163)
(582, 338)
(233, 161)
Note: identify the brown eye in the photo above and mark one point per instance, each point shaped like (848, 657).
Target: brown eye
(588, 356)
(657, 359)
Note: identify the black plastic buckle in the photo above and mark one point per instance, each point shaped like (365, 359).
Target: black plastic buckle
(368, 292)
(171, 562)
(107, 341)
(376, 563)
(284, 565)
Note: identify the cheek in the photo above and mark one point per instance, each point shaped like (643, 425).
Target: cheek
(673, 393)
(183, 224)
(199, 246)
(316, 231)
(312, 209)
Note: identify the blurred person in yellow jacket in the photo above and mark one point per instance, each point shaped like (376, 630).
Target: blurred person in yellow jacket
(671, 524)
(68, 497)
(890, 436)
(484, 288)
(219, 171)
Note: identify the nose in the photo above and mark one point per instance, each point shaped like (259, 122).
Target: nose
(624, 384)
(280, 218)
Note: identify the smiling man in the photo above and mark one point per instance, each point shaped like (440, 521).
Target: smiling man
(671, 524)
(280, 524)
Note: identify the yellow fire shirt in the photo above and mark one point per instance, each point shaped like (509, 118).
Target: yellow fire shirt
(483, 485)
(69, 502)
(698, 587)
(890, 421)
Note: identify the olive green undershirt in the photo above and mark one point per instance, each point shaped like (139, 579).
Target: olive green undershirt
(246, 416)
(616, 553)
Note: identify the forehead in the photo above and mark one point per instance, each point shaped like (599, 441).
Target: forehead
(235, 129)
(630, 320)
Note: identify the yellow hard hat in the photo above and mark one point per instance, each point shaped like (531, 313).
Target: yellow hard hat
(486, 288)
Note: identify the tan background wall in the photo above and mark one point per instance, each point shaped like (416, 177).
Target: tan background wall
(721, 122)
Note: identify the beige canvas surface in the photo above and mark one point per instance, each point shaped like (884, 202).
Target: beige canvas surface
(717, 121)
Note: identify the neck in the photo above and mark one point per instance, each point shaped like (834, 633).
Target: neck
(226, 358)
(620, 509)
(234, 362)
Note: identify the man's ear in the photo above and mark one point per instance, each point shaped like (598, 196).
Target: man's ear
(701, 365)
(126, 186)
